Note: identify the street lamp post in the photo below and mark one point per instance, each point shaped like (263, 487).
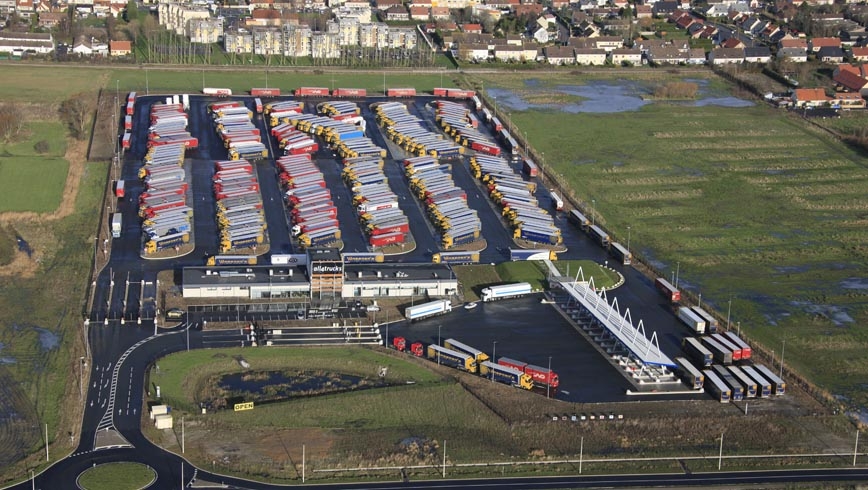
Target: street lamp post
(593, 212)
(493, 357)
(549, 385)
(628, 238)
(783, 347)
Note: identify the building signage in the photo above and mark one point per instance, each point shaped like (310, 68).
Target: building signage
(327, 269)
(243, 406)
(289, 259)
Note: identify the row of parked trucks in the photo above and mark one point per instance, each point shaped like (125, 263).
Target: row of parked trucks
(233, 122)
(166, 216)
(240, 214)
(458, 122)
(410, 133)
(382, 220)
(312, 212)
(619, 251)
(724, 348)
(444, 202)
(129, 112)
(515, 196)
(731, 383)
(168, 125)
(467, 358)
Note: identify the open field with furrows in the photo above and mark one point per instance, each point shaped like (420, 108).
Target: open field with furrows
(475, 419)
(749, 204)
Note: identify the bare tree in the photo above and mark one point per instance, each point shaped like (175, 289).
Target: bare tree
(75, 112)
(11, 122)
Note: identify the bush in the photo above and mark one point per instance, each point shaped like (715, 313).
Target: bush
(42, 147)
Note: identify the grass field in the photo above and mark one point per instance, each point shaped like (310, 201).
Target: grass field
(29, 180)
(474, 277)
(752, 204)
(474, 421)
(117, 476)
(182, 377)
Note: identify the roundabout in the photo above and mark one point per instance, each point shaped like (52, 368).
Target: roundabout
(117, 476)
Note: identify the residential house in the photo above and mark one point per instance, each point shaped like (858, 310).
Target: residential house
(795, 50)
(528, 10)
(722, 56)
(830, 54)
(51, 19)
(473, 51)
(25, 8)
(542, 35)
(420, 13)
(696, 56)
(824, 42)
(664, 8)
(846, 100)
(513, 39)
(471, 28)
(851, 78)
(90, 47)
(382, 5)
(757, 54)
(440, 13)
(810, 97)
(23, 41)
(644, 11)
(397, 13)
(621, 56)
(859, 54)
(666, 56)
(120, 48)
(732, 43)
(260, 18)
(507, 53)
(685, 21)
(590, 56)
(560, 55)
(608, 43)
(7, 6)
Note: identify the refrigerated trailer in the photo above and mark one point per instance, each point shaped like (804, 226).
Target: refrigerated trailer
(745, 349)
(506, 291)
(711, 323)
(455, 345)
(621, 253)
(716, 386)
(452, 358)
(764, 387)
(688, 372)
(425, 310)
(736, 351)
(750, 386)
(736, 389)
(721, 353)
(778, 385)
(697, 351)
(668, 290)
(692, 320)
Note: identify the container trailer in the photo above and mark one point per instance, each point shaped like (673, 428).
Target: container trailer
(457, 346)
(711, 323)
(668, 290)
(688, 372)
(557, 202)
(311, 92)
(120, 189)
(117, 225)
(736, 340)
(764, 387)
(779, 387)
(692, 320)
(694, 348)
(621, 253)
(721, 353)
(530, 168)
(426, 310)
(750, 386)
(505, 374)
(455, 258)
(452, 358)
(219, 92)
(265, 92)
(387, 239)
(601, 236)
(736, 351)
(736, 389)
(531, 254)
(401, 92)
(714, 385)
(165, 242)
(541, 376)
(506, 291)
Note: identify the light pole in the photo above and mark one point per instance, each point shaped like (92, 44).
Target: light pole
(628, 238)
(493, 357)
(593, 212)
(728, 311)
(80, 377)
(783, 347)
(677, 270)
(549, 385)
(117, 90)
(720, 456)
(147, 85)
(438, 343)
